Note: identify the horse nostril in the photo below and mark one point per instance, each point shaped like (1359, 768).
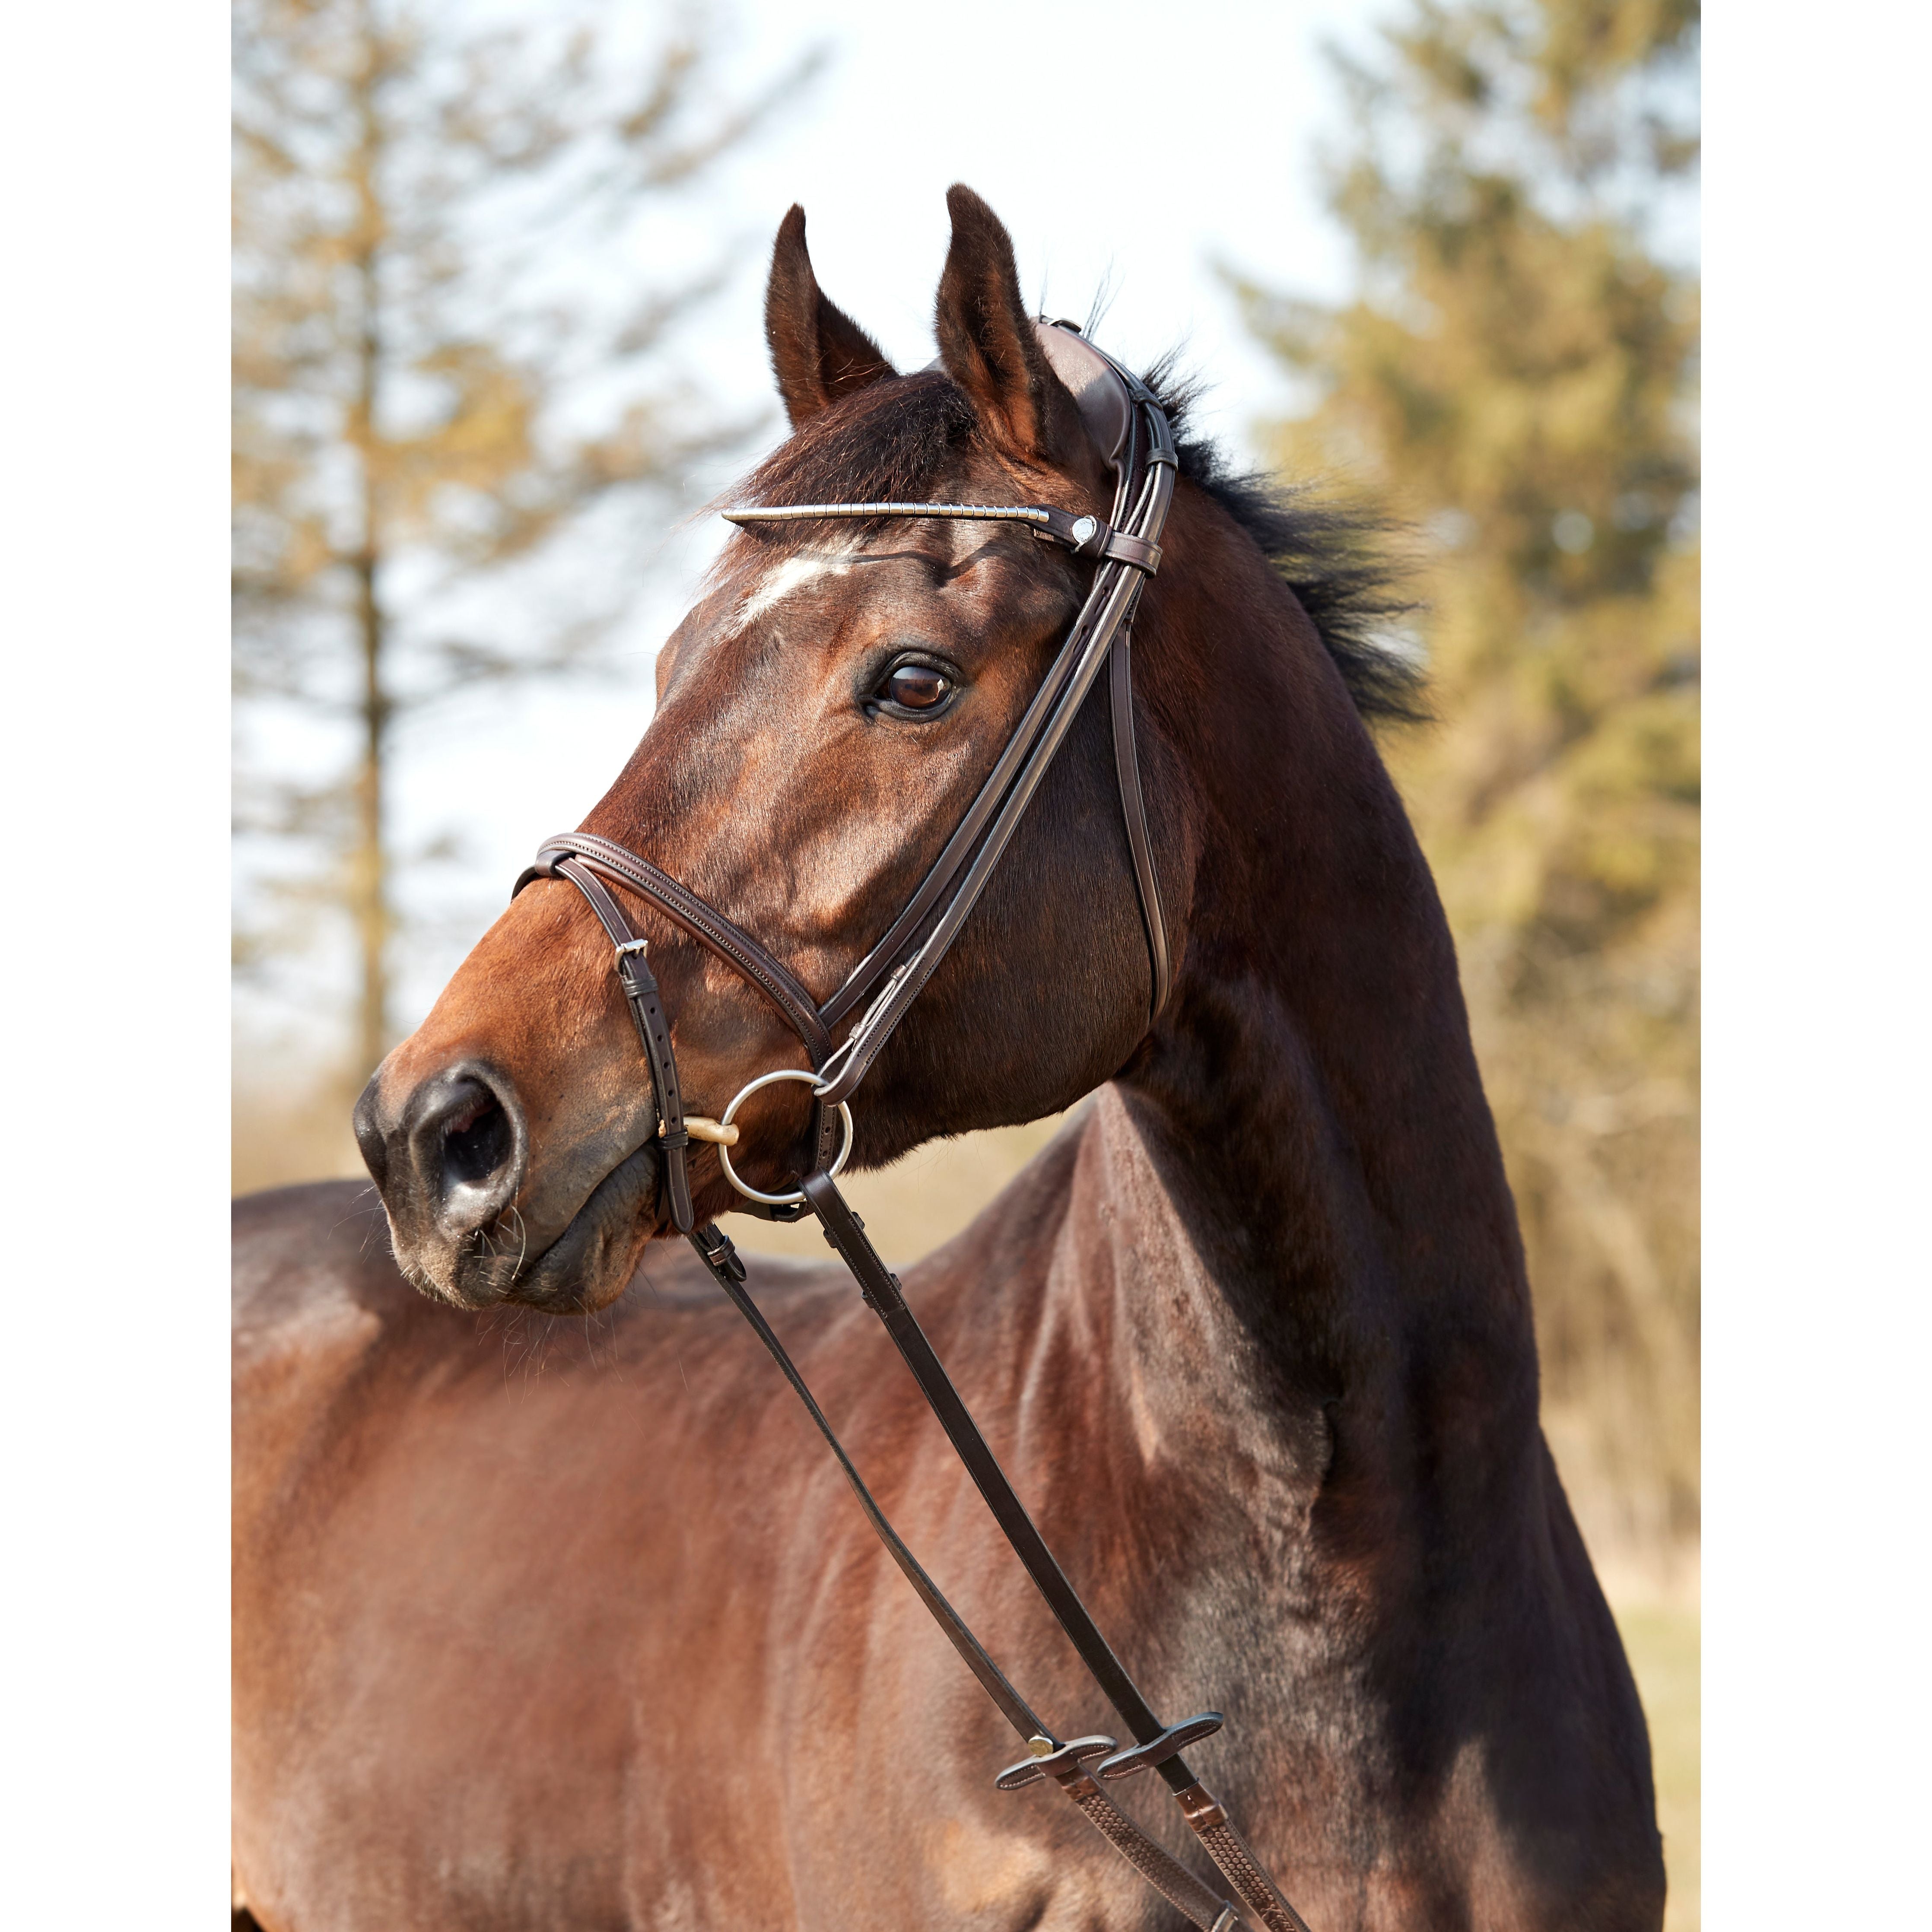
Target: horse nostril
(476, 1143)
(465, 1140)
(477, 1140)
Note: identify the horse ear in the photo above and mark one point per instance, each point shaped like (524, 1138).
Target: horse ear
(819, 353)
(987, 342)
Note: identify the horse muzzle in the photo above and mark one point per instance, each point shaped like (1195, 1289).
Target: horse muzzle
(472, 1222)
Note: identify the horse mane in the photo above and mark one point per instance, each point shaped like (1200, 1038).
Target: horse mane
(1335, 556)
(891, 441)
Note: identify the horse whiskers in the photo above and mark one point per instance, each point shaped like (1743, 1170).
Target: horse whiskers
(484, 1246)
(515, 1331)
(526, 1336)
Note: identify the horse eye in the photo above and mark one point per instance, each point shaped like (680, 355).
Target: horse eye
(917, 687)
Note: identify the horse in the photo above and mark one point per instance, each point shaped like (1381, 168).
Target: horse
(606, 1644)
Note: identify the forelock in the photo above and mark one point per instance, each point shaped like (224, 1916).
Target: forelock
(895, 441)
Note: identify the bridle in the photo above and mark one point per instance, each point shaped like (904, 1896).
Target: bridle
(1128, 426)
(1132, 431)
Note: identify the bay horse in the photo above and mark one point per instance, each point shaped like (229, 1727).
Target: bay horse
(607, 1646)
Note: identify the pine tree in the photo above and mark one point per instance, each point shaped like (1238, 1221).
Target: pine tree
(433, 394)
(1517, 375)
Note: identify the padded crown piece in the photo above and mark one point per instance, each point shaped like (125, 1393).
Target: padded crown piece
(1104, 406)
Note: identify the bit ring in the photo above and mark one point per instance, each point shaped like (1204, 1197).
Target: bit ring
(744, 1094)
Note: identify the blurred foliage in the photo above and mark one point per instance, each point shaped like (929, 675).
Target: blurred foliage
(289, 1122)
(450, 354)
(1517, 377)
(1663, 1641)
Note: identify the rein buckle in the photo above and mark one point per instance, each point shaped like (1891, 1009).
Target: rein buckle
(1057, 1761)
(1170, 1743)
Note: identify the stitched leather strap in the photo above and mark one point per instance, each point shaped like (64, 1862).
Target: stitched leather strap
(1168, 1876)
(1146, 466)
(867, 974)
(1116, 590)
(1248, 1878)
(1108, 610)
(1137, 553)
(731, 943)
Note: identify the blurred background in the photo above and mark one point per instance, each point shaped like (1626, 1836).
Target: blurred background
(499, 272)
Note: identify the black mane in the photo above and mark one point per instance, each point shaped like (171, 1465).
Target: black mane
(893, 441)
(1334, 556)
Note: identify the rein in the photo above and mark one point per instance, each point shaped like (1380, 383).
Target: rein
(1132, 433)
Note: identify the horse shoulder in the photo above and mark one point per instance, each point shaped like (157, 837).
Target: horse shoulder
(306, 1258)
(317, 1302)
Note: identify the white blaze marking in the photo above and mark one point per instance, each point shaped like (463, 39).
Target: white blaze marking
(793, 574)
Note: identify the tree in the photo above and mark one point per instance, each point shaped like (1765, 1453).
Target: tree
(448, 341)
(1516, 374)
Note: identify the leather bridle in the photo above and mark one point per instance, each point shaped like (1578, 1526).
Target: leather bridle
(1132, 431)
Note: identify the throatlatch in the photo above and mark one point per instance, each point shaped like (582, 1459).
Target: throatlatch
(1131, 429)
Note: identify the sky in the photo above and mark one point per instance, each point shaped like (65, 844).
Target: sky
(1128, 148)
(1118, 151)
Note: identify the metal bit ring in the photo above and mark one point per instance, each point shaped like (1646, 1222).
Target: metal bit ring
(745, 1093)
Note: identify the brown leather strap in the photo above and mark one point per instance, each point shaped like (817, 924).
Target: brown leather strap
(1159, 1746)
(1167, 1875)
(647, 1014)
(1261, 1897)
(717, 1252)
(1133, 809)
(1140, 497)
(731, 943)
(1137, 552)
(1108, 610)
(866, 975)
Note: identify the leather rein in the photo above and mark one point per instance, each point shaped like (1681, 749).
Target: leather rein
(1131, 430)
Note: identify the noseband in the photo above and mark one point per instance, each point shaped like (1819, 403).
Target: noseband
(1132, 431)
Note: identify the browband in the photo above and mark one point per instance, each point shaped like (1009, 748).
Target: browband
(1085, 536)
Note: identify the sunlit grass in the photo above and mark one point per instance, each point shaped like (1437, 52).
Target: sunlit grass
(1663, 1644)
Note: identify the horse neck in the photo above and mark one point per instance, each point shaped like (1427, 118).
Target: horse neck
(1302, 1227)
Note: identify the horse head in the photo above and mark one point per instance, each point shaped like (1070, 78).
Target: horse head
(825, 714)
